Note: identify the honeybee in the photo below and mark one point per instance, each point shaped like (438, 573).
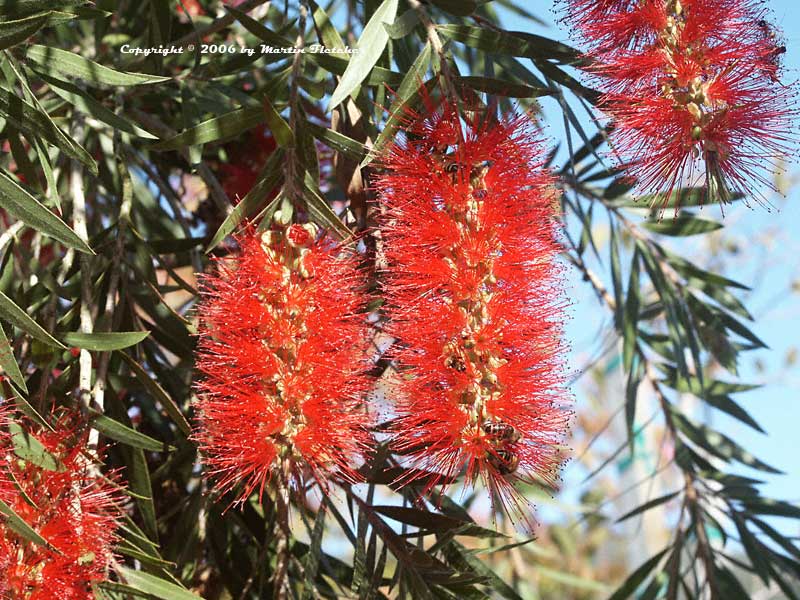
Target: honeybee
(455, 362)
(504, 460)
(453, 168)
(500, 432)
(767, 29)
(773, 56)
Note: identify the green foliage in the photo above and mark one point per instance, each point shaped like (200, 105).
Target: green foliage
(119, 157)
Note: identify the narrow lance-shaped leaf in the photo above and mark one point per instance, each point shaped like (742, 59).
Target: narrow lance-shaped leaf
(20, 527)
(122, 433)
(9, 363)
(56, 61)
(278, 126)
(155, 586)
(26, 208)
(269, 177)
(407, 91)
(13, 314)
(635, 579)
(370, 47)
(102, 342)
(158, 394)
(683, 225)
(718, 444)
(217, 128)
(36, 125)
(88, 105)
(630, 314)
(14, 32)
(31, 450)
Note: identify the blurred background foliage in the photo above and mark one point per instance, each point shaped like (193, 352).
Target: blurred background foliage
(122, 173)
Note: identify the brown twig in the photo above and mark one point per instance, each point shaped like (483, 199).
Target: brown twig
(448, 83)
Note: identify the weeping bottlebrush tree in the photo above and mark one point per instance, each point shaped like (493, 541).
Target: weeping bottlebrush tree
(285, 290)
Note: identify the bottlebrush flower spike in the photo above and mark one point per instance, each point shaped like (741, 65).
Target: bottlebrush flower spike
(283, 352)
(693, 90)
(474, 298)
(72, 508)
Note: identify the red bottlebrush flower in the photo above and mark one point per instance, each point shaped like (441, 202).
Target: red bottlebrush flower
(474, 299)
(71, 507)
(692, 88)
(282, 351)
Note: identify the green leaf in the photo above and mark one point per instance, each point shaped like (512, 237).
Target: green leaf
(311, 566)
(635, 579)
(775, 508)
(9, 363)
(684, 198)
(25, 7)
(717, 443)
(217, 128)
(727, 405)
(103, 342)
(691, 271)
(326, 29)
(31, 450)
(692, 385)
(259, 30)
(14, 32)
(155, 586)
(403, 25)
(122, 433)
(158, 394)
(647, 506)
(26, 208)
(54, 61)
(635, 375)
(406, 93)
(683, 225)
(20, 527)
(630, 315)
(515, 43)
(321, 212)
(370, 46)
(137, 474)
(86, 104)
(268, 178)
(337, 141)
(433, 522)
(616, 276)
(13, 314)
(464, 560)
(37, 124)
(278, 126)
(503, 87)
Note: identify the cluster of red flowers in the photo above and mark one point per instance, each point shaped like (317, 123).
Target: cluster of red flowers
(473, 291)
(283, 351)
(67, 504)
(693, 91)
